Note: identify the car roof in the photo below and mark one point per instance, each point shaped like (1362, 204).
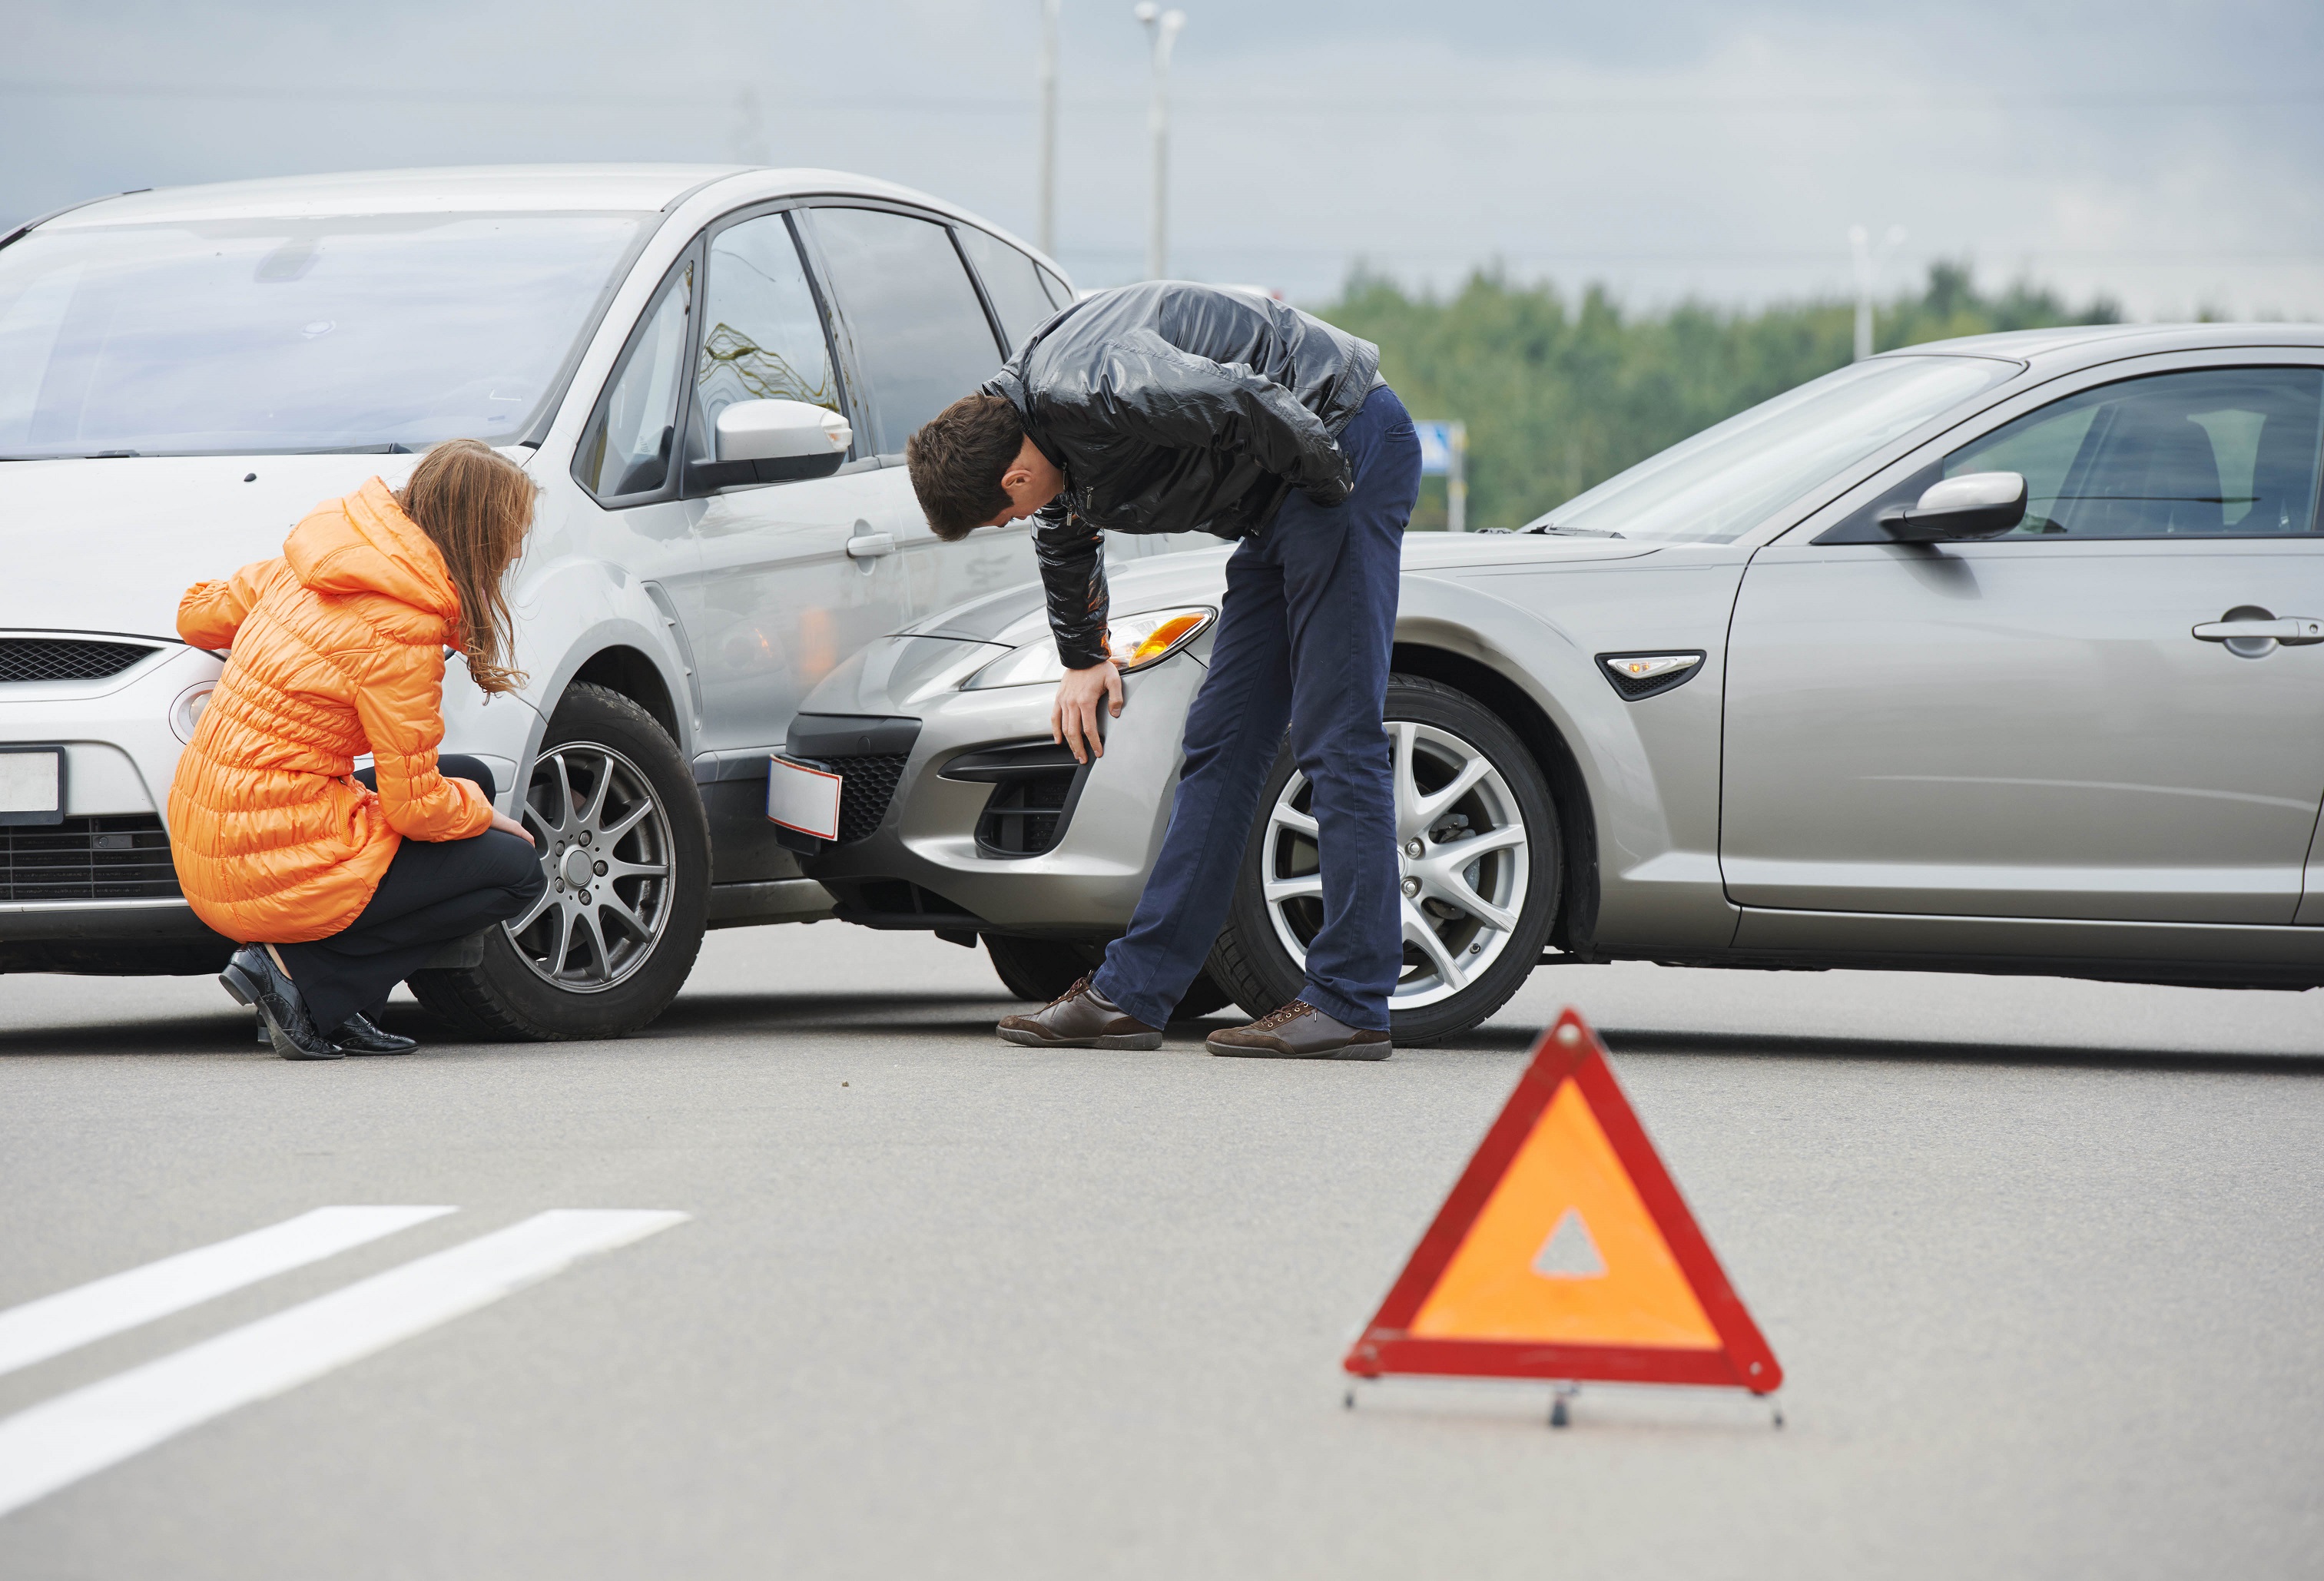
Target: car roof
(453, 189)
(2116, 340)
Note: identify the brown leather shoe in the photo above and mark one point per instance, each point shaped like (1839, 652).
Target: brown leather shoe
(1299, 1031)
(1079, 1018)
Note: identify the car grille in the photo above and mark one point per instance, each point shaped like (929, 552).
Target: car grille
(1025, 817)
(1035, 784)
(125, 858)
(867, 784)
(66, 658)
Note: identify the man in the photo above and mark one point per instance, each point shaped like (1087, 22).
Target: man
(1165, 408)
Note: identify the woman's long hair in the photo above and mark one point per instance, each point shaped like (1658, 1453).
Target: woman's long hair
(475, 505)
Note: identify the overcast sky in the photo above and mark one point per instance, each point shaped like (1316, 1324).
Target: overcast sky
(2167, 154)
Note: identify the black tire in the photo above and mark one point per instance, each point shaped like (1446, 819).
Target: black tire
(1039, 969)
(1252, 960)
(637, 974)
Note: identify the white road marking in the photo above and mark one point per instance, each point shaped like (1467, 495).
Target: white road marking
(64, 1439)
(70, 1318)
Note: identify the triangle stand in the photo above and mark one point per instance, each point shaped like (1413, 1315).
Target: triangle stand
(1565, 1254)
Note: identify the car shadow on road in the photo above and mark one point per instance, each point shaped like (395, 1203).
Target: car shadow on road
(1638, 1040)
(915, 1014)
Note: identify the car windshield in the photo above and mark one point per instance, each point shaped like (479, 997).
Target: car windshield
(383, 333)
(1715, 487)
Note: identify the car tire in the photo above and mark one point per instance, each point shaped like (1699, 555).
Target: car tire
(1041, 968)
(604, 956)
(1439, 730)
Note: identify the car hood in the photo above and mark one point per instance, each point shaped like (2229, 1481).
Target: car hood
(1016, 614)
(111, 545)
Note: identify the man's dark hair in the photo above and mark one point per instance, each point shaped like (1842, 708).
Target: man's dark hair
(958, 459)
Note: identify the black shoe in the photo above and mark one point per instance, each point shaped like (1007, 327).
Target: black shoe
(357, 1035)
(254, 979)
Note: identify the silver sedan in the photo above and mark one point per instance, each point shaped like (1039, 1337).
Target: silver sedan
(1999, 655)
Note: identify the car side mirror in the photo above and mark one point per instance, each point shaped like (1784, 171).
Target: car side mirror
(773, 441)
(1974, 505)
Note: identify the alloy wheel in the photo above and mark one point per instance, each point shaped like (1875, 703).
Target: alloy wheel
(605, 847)
(1461, 854)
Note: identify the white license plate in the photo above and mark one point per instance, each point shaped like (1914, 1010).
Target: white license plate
(32, 786)
(803, 798)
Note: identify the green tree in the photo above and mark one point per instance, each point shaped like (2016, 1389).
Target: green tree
(1559, 394)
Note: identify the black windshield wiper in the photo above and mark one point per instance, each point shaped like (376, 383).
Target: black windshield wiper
(1573, 532)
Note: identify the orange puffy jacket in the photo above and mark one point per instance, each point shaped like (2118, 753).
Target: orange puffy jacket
(338, 649)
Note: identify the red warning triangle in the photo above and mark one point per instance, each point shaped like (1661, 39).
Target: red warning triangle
(1566, 1252)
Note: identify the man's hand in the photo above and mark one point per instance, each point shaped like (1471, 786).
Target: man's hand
(1072, 717)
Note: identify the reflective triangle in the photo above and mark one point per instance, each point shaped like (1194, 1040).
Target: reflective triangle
(1565, 1251)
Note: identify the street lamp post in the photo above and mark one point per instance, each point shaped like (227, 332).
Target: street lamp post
(1868, 265)
(1161, 32)
(1049, 127)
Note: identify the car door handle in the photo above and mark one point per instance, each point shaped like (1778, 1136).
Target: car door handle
(871, 546)
(2292, 630)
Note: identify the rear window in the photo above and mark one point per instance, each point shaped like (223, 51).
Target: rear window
(389, 332)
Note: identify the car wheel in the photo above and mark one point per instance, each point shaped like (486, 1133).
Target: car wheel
(626, 849)
(1480, 858)
(1042, 968)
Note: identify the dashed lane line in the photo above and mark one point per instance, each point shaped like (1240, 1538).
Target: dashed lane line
(59, 1441)
(70, 1318)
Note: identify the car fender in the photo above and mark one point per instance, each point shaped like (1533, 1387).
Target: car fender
(570, 612)
(1649, 767)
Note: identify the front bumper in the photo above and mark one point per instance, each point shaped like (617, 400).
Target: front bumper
(926, 866)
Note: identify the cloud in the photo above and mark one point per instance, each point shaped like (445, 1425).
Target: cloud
(1670, 147)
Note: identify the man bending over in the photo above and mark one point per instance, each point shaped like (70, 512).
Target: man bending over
(1169, 407)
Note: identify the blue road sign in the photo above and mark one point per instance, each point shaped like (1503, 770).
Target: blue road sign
(1436, 448)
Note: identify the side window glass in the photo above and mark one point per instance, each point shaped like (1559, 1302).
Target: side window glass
(626, 451)
(2224, 452)
(1060, 292)
(1012, 281)
(762, 336)
(920, 337)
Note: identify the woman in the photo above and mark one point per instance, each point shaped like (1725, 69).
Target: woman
(340, 888)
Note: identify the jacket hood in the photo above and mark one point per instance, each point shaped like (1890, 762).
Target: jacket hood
(364, 543)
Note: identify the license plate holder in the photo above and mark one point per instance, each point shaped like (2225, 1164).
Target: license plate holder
(32, 786)
(803, 798)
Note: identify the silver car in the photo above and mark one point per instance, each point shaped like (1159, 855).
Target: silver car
(709, 371)
(1998, 655)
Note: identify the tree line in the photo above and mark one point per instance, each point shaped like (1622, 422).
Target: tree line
(1559, 394)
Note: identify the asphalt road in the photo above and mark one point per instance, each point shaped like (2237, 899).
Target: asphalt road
(2042, 1261)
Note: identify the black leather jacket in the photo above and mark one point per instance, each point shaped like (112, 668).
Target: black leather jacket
(1176, 408)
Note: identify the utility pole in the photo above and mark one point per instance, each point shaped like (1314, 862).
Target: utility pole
(1161, 32)
(1049, 127)
(1868, 265)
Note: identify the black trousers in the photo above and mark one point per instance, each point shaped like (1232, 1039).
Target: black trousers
(433, 892)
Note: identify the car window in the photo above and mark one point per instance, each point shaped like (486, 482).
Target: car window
(1011, 280)
(243, 336)
(2219, 452)
(1059, 292)
(626, 450)
(920, 337)
(762, 336)
(1717, 486)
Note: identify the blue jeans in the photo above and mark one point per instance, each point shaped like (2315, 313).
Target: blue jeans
(1303, 638)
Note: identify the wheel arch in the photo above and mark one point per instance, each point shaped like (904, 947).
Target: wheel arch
(1577, 906)
(633, 674)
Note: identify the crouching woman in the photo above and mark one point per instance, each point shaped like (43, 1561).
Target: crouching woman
(340, 885)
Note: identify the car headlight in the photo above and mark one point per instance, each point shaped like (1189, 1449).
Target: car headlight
(186, 711)
(1135, 642)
